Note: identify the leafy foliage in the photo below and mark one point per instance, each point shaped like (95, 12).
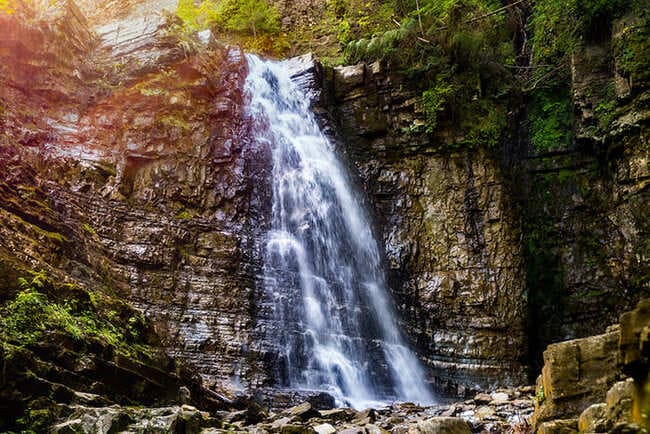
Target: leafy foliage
(434, 101)
(81, 316)
(632, 50)
(455, 50)
(253, 22)
(560, 26)
(551, 117)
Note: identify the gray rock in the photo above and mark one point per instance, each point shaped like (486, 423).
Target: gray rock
(441, 425)
(324, 428)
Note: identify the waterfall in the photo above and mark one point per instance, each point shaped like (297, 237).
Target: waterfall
(335, 326)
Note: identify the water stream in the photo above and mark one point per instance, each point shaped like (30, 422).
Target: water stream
(336, 326)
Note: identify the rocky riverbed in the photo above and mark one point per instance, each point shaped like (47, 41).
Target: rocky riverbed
(503, 411)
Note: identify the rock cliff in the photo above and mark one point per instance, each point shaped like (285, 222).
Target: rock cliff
(127, 170)
(450, 233)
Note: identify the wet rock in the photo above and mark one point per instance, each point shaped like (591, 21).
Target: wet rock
(592, 420)
(482, 398)
(619, 402)
(296, 429)
(484, 412)
(347, 78)
(324, 428)
(421, 195)
(352, 430)
(374, 429)
(339, 414)
(499, 397)
(568, 426)
(184, 395)
(635, 342)
(279, 423)
(73, 426)
(303, 411)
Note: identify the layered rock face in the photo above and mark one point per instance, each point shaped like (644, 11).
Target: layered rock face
(598, 383)
(494, 254)
(126, 169)
(451, 236)
(584, 205)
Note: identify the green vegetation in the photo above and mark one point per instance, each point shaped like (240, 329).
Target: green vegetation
(551, 119)
(471, 58)
(253, 23)
(457, 51)
(184, 215)
(78, 314)
(632, 51)
(540, 396)
(560, 26)
(248, 17)
(89, 229)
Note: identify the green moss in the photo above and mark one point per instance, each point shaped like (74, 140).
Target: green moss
(551, 119)
(173, 120)
(89, 229)
(184, 215)
(632, 51)
(605, 110)
(560, 26)
(434, 101)
(80, 315)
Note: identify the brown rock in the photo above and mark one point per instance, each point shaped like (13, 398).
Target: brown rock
(567, 426)
(441, 425)
(592, 420)
(576, 374)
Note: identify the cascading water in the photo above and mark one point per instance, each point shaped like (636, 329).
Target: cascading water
(336, 329)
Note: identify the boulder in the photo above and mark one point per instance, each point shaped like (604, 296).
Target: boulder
(441, 425)
(324, 428)
(296, 429)
(593, 419)
(634, 343)
(562, 426)
(576, 374)
(303, 411)
(620, 402)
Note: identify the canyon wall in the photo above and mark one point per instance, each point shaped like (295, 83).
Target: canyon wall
(495, 253)
(450, 232)
(128, 169)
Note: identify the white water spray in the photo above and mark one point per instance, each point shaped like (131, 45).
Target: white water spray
(336, 328)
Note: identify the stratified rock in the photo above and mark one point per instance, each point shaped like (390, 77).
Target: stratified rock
(303, 411)
(635, 341)
(592, 420)
(339, 414)
(576, 374)
(448, 228)
(620, 402)
(567, 426)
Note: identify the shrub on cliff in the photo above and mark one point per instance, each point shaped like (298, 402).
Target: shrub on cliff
(254, 24)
